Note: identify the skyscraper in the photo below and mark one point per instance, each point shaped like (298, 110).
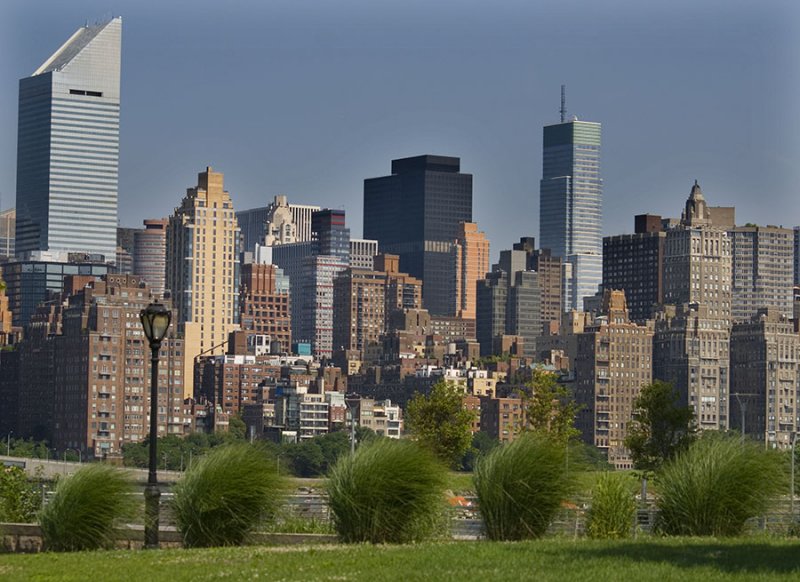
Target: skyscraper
(416, 213)
(570, 205)
(150, 253)
(202, 267)
(68, 147)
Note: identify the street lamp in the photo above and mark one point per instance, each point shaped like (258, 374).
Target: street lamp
(155, 321)
(8, 443)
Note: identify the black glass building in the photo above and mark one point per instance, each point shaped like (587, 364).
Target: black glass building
(415, 213)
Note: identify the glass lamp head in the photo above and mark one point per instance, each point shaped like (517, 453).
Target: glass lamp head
(155, 321)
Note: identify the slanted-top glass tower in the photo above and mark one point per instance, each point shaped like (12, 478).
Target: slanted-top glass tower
(570, 206)
(68, 147)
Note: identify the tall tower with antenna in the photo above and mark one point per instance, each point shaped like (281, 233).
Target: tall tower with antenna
(570, 204)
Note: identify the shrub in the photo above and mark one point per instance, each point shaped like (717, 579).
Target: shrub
(19, 499)
(389, 491)
(613, 508)
(716, 485)
(86, 507)
(225, 495)
(521, 485)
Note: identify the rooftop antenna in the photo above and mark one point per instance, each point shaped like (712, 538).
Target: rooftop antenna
(563, 103)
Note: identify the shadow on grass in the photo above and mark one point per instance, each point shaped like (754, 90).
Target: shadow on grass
(728, 556)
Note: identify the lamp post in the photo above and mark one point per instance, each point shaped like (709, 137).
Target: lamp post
(155, 321)
(791, 492)
(8, 443)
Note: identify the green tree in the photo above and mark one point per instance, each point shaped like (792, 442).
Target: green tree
(660, 428)
(482, 444)
(237, 429)
(440, 423)
(549, 407)
(19, 498)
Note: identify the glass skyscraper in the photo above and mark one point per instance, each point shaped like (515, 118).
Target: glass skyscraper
(570, 206)
(417, 213)
(68, 147)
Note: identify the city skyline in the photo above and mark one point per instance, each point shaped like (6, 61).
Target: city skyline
(704, 91)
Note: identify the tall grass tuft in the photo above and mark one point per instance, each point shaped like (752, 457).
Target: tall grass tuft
(389, 491)
(715, 486)
(521, 486)
(613, 508)
(86, 507)
(226, 495)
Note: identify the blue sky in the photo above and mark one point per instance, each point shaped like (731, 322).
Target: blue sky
(308, 98)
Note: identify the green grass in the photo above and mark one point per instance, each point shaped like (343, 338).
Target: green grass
(543, 560)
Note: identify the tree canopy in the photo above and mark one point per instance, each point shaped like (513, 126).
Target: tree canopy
(549, 407)
(440, 423)
(660, 428)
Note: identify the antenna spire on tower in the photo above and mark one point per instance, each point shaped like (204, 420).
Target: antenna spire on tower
(563, 103)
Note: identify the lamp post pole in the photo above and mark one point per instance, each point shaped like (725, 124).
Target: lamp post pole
(155, 321)
(791, 491)
(8, 443)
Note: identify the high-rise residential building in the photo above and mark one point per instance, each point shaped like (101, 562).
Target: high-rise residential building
(763, 270)
(83, 369)
(277, 223)
(364, 302)
(570, 206)
(362, 253)
(472, 264)
(692, 339)
(549, 269)
(312, 267)
(8, 225)
(68, 147)
(697, 260)
(612, 364)
(508, 305)
(266, 304)
(691, 351)
(103, 371)
(416, 213)
(765, 375)
(634, 263)
(150, 253)
(202, 267)
(796, 230)
(43, 277)
(233, 381)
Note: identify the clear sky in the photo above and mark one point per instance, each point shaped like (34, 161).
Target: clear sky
(307, 98)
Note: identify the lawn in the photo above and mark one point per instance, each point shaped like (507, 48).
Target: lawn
(550, 559)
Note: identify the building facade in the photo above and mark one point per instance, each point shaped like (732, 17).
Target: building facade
(691, 350)
(634, 263)
(8, 226)
(570, 205)
(762, 270)
(68, 147)
(612, 364)
(265, 303)
(150, 254)
(472, 264)
(416, 213)
(765, 376)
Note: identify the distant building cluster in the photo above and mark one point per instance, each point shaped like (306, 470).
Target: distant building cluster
(284, 320)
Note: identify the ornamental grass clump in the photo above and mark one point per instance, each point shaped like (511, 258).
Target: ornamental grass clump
(86, 507)
(389, 491)
(716, 485)
(225, 495)
(521, 485)
(613, 508)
